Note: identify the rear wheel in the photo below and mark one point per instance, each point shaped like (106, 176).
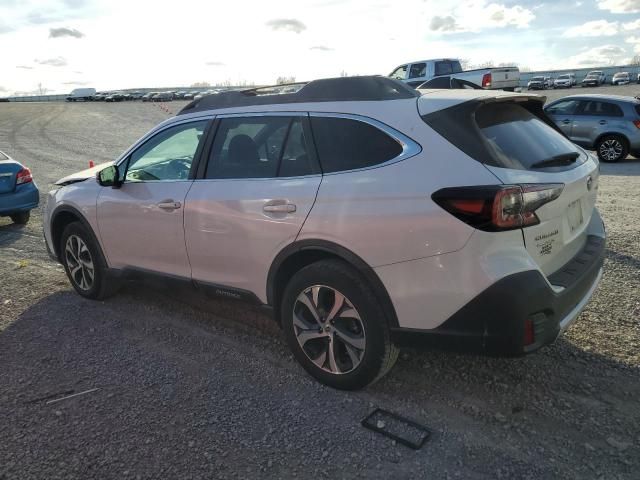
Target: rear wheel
(335, 327)
(612, 148)
(21, 218)
(84, 263)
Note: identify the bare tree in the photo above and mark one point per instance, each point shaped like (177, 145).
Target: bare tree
(201, 84)
(283, 80)
(42, 90)
(635, 60)
(465, 63)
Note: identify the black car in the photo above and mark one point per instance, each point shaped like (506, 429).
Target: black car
(147, 97)
(162, 97)
(115, 97)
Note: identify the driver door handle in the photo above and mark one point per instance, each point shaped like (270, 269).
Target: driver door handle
(169, 205)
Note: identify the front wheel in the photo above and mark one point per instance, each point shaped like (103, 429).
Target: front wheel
(612, 148)
(20, 218)
(335, 326)
(84, 263)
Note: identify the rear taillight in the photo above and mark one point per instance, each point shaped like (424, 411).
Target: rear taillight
(636, 123)
(500, 207)
(23, 176)
(486, 80)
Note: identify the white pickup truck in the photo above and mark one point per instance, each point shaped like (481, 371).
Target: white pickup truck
(416, 73)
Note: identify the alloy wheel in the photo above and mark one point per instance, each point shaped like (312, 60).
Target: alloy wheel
(611, 150)
(79, 262)
(329, 329)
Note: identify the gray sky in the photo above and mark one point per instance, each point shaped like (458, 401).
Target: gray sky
(110, 44)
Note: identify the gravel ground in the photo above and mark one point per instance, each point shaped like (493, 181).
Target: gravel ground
(185, 387)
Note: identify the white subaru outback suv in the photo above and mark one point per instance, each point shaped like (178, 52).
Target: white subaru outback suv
(364, 213)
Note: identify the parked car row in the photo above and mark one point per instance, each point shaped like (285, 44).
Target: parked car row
(165, 96)
(594, 78)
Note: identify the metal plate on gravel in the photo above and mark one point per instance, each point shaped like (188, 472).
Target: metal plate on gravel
(402, 430)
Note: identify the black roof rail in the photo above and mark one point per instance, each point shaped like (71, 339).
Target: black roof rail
(341, 89)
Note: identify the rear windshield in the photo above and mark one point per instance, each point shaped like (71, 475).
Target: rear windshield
(506, 135)
(518, 139)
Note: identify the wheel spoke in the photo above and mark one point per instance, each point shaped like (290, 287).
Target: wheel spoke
(79, 262)
(338, 302)
(333, 365)
(353, 355)
(347, 337)
(306, 301)
(321, 359)
(305, 335)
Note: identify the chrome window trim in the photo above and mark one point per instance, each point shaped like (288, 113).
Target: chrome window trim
(279, 113)
(410, 148)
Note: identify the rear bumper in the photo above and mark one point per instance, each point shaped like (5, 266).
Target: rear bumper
(494, 321)
(24, 198)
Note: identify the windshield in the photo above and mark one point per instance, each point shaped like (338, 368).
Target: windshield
(563, 77)
(537, 79)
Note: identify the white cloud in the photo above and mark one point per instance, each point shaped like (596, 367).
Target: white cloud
(595, 28)
(632, 25)
(635, 42)
(598, 57)
(620, 6)
(476, 15)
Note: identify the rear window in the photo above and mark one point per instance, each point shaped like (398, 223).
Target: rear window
(505, 135)
(516, 138)
(346, 144)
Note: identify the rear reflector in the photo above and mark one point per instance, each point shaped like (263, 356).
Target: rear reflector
(529, 332)
(497, 207)
(23, 176)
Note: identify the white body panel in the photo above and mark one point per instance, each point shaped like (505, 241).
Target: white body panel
(135, 230)
(231, 240)
(426, 292)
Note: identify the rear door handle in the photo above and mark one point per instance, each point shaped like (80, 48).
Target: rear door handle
(279, 208)
(566, 122)
(169, 205)
(602, 122)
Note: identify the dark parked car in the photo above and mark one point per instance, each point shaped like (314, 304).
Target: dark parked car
(115, 97)
(162, 97)
(147, 97)
(609, 124)
(136, 95)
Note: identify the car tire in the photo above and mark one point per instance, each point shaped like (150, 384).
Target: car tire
(335, 326)
(21, 218)
(84, 263)
(612, 148)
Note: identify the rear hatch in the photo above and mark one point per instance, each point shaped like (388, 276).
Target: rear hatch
(505, 77)
(8, 170)
(515, 140)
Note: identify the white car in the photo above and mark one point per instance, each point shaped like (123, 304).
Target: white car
(621, 78)
(366, 214)
(566, 80)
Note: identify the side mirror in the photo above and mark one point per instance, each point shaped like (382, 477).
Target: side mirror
(109, 177)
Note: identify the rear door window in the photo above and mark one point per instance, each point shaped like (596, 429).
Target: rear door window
(444, 68)
(418, 70)
(601, 109)
(259, 147)
(347, 144)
